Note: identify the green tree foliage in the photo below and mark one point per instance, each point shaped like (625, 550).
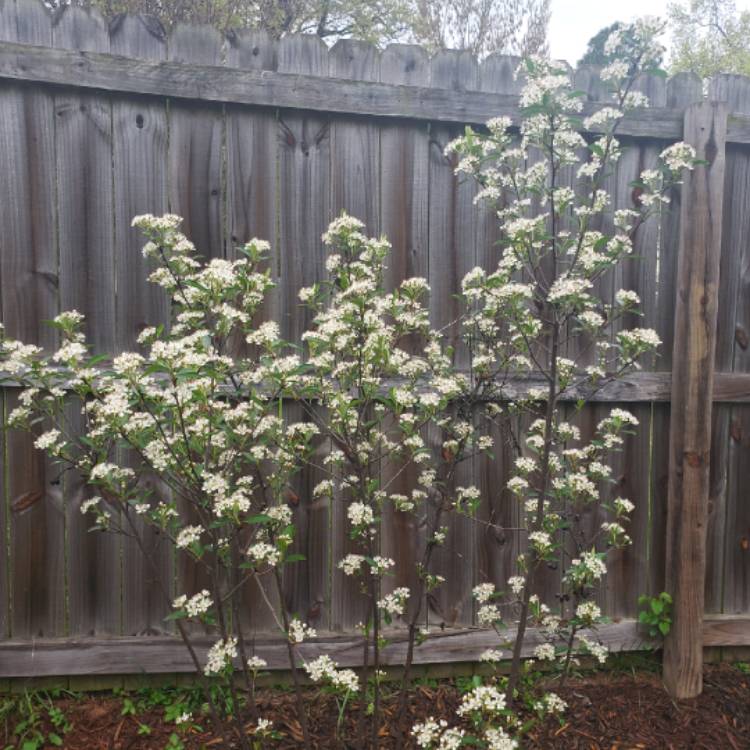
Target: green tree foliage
(709, 37)
(516, 27)
(483, 26)
(377, 21)
(596, 53)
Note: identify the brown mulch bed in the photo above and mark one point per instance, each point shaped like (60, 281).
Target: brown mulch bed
(616, 712)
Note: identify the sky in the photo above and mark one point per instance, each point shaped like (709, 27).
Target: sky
(574, 22)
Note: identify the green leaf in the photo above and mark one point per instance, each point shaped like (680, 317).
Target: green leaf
(54, 739)
(664, 627)
(657, 607)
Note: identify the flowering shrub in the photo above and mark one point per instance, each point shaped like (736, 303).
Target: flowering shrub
(378, 376)
(540, 317)
(187, 435)
(186, 411)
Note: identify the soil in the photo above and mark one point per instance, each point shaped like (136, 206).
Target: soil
(616, 712)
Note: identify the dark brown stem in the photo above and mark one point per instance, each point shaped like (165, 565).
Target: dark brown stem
(292, 663)
(235, 597)
(218, 724)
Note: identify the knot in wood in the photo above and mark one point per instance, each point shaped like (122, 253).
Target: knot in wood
(693, 459)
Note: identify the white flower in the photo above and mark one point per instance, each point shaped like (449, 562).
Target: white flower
(488, 614)
(196, 606)
(491, 655)
(255, 663)
(47, 439)
(264, 552)
(623, 506)
(324, 668)
(395, 603)
(351, 564)
(678, 156)
(588, 611)
(525, 465)
(498, 739)
(69, 318)
(427, 732)
(517, 584)
(220, 655)
(518, 485)
(627, 297)
(589, 566)
(90, 504)
(324, 488)
(360, 514)
(639, 338)
(551, 703)
(486, 699)
(381, 564)
(541, 541)
(597, 650)
(187, 536)
(263, 727)
(299, 631)
(545, 652)
(483, 592)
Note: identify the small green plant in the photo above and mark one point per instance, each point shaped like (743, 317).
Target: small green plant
(656, 613)
(32, 721)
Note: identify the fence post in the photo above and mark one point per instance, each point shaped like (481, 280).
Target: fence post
(692, 386)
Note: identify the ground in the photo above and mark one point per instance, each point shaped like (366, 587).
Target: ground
(608, 710)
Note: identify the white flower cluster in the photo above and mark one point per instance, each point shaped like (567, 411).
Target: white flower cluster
(351, 564)
(300, 631)
(325, 669)
(485, 699)
(262, 552)
(196, 605)
(395, 602)
(220, 656)
(360, 514)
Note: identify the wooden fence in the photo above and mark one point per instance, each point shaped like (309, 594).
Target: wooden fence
(246, 137)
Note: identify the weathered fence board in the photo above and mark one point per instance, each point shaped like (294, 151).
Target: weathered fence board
(246, 136)
(693, 370)
(29, 295)
(139, 154)
(159, 654)
(85, 218)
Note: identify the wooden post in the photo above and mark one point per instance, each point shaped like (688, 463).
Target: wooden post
(692, 384)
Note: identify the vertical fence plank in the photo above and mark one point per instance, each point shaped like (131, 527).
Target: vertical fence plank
(728, 546)
(500, 513)
(404, 170)
(304, 212)
(29, 296)
(453, 227)
(140, 186)
(629, 569)
(355, 188)
(195, 147)
(195, 187)
(251, 211)
(692, 384)
(682, 90)
(83, 138)
(403, 196)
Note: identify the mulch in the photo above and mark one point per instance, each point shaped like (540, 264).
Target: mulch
(606, 711)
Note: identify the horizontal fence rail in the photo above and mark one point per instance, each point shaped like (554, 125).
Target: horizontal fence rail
(214, 84)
